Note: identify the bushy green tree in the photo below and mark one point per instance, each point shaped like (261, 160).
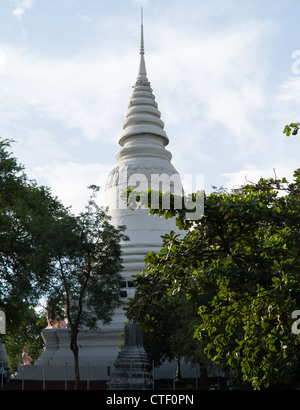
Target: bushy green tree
(239, 267)
(24, 330)
(47, 252)
(86, 261)
(26, 212)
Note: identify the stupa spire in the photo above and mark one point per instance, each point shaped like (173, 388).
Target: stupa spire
(142, 32)
(143, 116)
(142, 76)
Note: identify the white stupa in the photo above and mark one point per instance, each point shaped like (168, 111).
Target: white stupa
(142, 162)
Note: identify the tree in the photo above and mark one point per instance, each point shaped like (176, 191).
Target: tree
(239, 267)
(167, 321)
(26, 211)
(46, 251)
(160, 325)
(24, 330)
(87, 264)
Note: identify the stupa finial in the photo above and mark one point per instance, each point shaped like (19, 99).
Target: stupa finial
(142, 32)
(143, 116)
(142, 69)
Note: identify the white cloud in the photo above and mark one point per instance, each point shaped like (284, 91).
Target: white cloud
(69, 181)
(85, 92)
(20, 7)
(2, 62)
(85, 18)
(202, 79)
(217, 74)
(289, 94)
(140, 2)
(252, 174)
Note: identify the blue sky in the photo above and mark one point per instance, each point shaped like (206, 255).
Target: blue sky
(226, 76)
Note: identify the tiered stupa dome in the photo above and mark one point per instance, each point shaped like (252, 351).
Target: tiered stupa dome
(143, 162)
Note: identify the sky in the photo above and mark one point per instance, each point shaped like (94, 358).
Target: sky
(225, 73)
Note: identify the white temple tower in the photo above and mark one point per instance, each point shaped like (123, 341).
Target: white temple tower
(143, 162)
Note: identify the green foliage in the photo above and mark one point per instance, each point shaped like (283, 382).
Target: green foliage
(186, 208)
(238, 266)
(86, 260)
(168, 323)
(27, 214)
(24, 330)
(26, 211)
(45, 251)
(292, 129)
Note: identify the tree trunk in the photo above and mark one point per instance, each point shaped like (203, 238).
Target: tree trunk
(178, 372)
(74, 348)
